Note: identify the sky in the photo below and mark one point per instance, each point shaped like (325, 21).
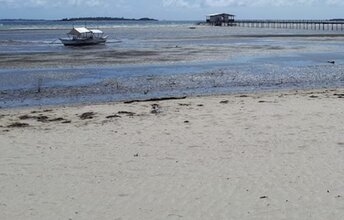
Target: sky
(172, 9)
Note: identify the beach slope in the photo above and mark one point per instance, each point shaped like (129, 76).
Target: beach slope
(243, 156)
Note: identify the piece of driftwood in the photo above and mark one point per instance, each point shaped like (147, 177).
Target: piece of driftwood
(155, 99)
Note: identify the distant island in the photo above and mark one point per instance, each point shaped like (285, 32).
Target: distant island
(107, 19)
(21, 19)
(337, 19)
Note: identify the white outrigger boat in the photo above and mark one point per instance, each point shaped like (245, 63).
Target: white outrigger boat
(83, 36)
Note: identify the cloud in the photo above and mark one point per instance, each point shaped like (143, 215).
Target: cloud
(52, 3)
(8, 2)
(89, 3)
(248, 3)
(168, 3)
(254, 3)
(181, 3)
(335, 2)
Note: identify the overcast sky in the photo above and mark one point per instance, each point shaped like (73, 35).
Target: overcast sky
(172, 9)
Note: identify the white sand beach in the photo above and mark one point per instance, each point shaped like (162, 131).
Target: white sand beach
(276, 155)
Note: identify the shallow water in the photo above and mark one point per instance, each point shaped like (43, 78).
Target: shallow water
(162, 59)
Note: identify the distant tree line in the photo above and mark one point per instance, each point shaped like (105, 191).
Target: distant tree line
(106, 19)
(337, 19)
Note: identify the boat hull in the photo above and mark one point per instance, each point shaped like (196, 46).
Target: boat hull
(82, 42)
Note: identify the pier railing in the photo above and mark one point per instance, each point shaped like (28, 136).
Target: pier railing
(329, 25)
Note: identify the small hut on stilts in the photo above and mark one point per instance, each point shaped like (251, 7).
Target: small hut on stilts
(220, 19)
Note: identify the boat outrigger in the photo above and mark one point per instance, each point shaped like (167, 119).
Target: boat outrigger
(82, 36)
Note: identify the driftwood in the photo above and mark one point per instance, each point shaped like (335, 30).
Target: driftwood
(155, 99)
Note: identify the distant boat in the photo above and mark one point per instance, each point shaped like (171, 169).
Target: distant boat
(82, 36)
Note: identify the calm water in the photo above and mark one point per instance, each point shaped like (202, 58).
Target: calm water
(204, 60)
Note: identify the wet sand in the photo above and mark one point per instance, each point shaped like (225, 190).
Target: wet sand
(192, 49)
(89, 56)
(276, 155)
(157, 63)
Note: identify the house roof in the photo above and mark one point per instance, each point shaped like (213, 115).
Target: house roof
(218, 14)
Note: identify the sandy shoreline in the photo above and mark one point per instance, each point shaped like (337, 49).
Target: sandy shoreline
(276, 155)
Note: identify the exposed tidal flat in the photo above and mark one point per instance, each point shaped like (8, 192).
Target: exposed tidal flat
(163, 59)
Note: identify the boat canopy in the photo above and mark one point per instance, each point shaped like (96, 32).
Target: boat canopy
(78, 31)
(96, 31)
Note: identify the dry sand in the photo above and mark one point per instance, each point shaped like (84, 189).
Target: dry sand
(256, 156)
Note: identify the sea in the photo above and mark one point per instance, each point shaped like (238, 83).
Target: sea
(157, 59)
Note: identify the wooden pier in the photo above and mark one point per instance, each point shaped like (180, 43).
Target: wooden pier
(224, 19)
(325, 25)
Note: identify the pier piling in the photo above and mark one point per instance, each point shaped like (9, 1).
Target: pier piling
(324, 25)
